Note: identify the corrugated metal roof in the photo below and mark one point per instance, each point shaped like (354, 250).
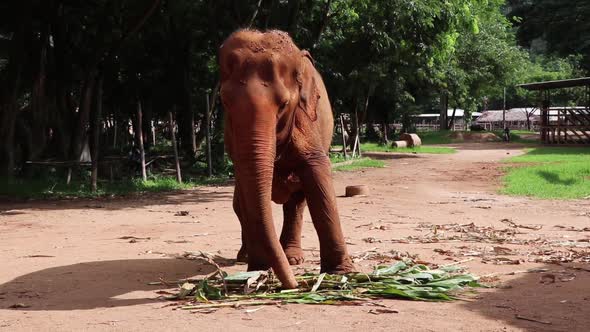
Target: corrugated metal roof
(584, 81)
(511, 115)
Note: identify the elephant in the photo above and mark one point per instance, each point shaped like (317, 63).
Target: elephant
(278, 131)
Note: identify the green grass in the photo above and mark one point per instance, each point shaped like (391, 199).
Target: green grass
(337, 158)
(552, 155)
(360, 164)
(375, 147)
(515, 136)
(520, 132)
(435, 137)
(48, 188)
(557, 173)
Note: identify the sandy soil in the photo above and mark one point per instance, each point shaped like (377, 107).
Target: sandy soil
(68, 262)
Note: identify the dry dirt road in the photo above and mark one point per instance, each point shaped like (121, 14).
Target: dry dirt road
(74, 267)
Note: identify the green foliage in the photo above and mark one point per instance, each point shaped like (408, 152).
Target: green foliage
(553, 155)
(483, 60)
(541, 68)
(57, 188)
(517, 136)
(435, 137)
(555, 173)
(358, 164)
(385, 59)
(555, 27)
(402, 280)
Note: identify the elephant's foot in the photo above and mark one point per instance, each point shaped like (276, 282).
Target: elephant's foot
(343, 267)
(294, 255)
(242, 255)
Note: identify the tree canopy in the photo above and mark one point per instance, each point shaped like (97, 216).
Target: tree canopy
(69, 69)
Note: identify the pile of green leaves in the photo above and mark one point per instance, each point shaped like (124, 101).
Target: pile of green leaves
(402, 280)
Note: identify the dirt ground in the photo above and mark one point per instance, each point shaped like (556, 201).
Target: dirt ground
(74, 267)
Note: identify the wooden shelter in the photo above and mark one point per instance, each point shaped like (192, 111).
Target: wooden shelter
(563, 125)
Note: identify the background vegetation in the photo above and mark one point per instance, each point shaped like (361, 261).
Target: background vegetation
(78, 72)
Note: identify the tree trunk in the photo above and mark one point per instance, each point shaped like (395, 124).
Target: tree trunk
(173, 137)
(65, 109)
(79, 135)
(208, 139)
(353, 125)
(250, 22)
(528, 118)
(451, 125)
(147, 123)
(385, 136)
(294, 6)
(343, 136)
(10, 84)
(39, 102)
(444, 106)
(323, 24)
(115, 132)
(185, 115)
(139, 136)
(218, 147)
(96, 133)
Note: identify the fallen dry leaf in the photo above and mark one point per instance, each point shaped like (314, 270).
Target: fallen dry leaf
(181, 213)
(501, 261)
(503, 251)
(512, 224)
(383, 311)
(532, 320)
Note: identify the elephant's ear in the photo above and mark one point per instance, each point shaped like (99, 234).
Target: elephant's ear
(309, 94)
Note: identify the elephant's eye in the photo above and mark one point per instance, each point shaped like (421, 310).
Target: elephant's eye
(284, 104)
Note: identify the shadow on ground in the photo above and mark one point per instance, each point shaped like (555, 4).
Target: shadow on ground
(391, 155)
(550, 300)
(100, 284)
(183, 197)
(490, 146)
(554, 178)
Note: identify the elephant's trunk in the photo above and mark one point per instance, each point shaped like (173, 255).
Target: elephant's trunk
(253, 154)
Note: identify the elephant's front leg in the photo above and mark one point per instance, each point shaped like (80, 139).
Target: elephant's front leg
(292, 224)
(316, 178)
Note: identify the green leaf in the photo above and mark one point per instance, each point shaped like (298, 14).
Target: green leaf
(391, 270)
(242, 277)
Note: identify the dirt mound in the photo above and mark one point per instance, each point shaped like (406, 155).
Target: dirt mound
(474, 137)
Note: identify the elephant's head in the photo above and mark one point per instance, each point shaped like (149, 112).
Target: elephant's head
(265, 81)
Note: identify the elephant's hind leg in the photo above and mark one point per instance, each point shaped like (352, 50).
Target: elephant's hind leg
(292, 225)
(243, 253)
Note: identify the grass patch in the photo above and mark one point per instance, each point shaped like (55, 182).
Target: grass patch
(375, 147)
(559, 173)
(515, 136)
(48, 188)
(552, 155)
(435, 137)
(337, 158)
(523, 132)
(360, 164)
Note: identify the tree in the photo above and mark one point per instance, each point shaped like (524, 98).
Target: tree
(555, 27)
